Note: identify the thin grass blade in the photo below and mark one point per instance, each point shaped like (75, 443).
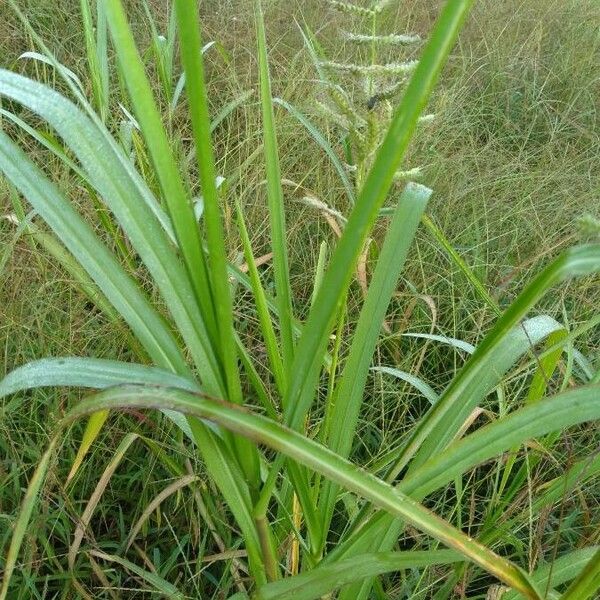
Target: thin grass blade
(101, 265)
(321, 581)
(178, 203)
(275, 199)
(24, 516)
(191, 55)
(315, 457)
(312, 344)
(348, 393)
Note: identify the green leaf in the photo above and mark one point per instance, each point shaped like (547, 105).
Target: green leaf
(88, 372)
(321, 581)
(157, 582)
(42, 138)
(275, 199)
(229, 108)
(262, 309)
(443, 339)
(325, 145)
(458, 260)
(92, 431)
(178, 203)
(416, 382)
(558, 571)
(111, 173)
(446, 417)
(552, 414)
(64, 71)
(349, 390)
(27, 506)
(97, 56)
(313, 342)
(191, 55)
(587, 582)
(91, 373)
(315, 457)
(81, 241)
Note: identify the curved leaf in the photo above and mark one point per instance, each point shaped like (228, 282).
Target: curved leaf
(325, 145)
(27, 506)
(553, 414)
(321, 581)
(315, 335)
(102, 266)
(446, 416)
(157, 582)
(416, 382)
(587, 582)
(563, 569)
(90, 373)
(314, 456)
(111, 173)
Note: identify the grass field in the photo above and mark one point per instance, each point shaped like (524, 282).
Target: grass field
(512, 157)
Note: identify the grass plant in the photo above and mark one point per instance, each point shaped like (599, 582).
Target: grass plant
(291, 499)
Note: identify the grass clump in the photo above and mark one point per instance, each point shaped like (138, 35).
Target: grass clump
(251, 442)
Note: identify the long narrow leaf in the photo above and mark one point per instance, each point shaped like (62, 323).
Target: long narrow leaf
(446, 416)
(88, 372)
(315, 457)
(587, 582)
(321, 581)
(101, 265)
(122, 188)
(416, 382)
(22, 522)
(275, 198)
(178, 203)
(91, 373)
(348, 394)
(191, 54)
(316, 332)
(563, 569)
(325, 145)
(553, 414)
(157, 582)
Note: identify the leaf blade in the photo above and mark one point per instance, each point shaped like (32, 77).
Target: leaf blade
(314, 456)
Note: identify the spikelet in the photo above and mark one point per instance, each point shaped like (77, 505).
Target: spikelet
(380, 6)
(373, 133)
(314, 202)
(391, 40)
(414, 173)
(385, 93)
(353, 9)
(426, 119)
(589, 226)
(342, 101)
(333, 116)
(381, 70)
